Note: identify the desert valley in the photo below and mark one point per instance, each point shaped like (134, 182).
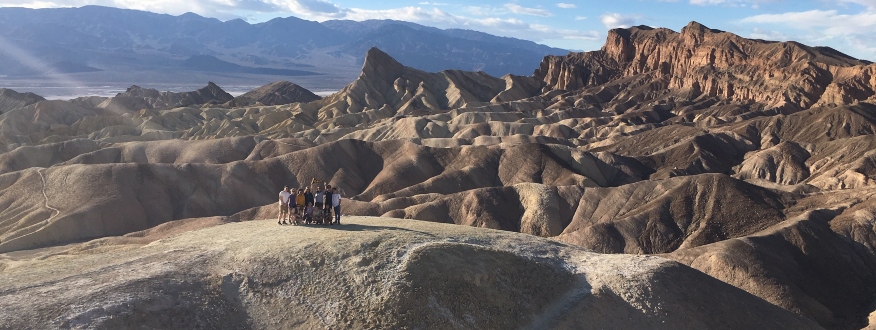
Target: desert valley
(689, 179)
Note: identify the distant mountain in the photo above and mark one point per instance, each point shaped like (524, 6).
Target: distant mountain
(131, 42)
(434, 50)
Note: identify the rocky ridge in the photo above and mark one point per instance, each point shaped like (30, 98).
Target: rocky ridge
(643, 65)
(275, 93)
(10, 99)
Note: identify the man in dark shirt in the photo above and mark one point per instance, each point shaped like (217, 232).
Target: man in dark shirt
(327, 206)
(308, 197)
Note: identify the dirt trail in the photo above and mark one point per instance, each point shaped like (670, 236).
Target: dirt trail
(46, 196)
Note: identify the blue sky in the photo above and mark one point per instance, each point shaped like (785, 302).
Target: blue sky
(846, 25)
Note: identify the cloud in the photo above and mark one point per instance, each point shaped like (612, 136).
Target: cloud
(866, 3)
(827, 27)
(791, 17)
(566, 5)
(518, 9)
(615, 20)
(758, 33)
(755, 4)
(824, 22)
(580, 18)
(309, 7)
(427, 3)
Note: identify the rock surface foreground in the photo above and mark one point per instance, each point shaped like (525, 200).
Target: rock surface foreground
(366, 273)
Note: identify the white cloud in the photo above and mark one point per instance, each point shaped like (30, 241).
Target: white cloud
(866, 3)
(410, 14)
(827, 27)
(580, 18)
(615, 20)
(308, 7)
(758, 33)
(791, 17)
(518, 9)
(754, 4)
(566, 5)
(427, 3)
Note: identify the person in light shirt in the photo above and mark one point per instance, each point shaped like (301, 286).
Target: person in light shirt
(336, 205)
(284, 206)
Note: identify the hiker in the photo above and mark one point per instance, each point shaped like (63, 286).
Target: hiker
(299, 202)
(336, 205)
(308, 214)
(327, 208)
(318, 196)
(284, 206)
(308, 197)
(294, 216)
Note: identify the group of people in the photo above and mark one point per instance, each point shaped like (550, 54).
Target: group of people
(300, 206)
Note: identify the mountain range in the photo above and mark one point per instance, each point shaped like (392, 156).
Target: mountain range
(128, 42)
(671, 179)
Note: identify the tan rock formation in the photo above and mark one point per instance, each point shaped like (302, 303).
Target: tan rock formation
(10, 99)
(700, 63)
(275, 93)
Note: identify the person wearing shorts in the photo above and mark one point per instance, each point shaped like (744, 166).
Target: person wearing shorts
(284, 206)
(299, 201)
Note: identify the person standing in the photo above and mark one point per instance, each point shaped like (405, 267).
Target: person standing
(327, 209)
(299, 202)
(318, 196)
(336, 205)
(293, 209)
(308, 197)
(284, 206)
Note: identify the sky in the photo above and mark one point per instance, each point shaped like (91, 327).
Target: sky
(846, 25)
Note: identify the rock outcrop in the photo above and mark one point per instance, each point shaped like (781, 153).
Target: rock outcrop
(136, 98)
(10, 99)
(275, 93)
(643, 64)
(388, 86)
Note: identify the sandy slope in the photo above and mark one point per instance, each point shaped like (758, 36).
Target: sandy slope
(368, 273)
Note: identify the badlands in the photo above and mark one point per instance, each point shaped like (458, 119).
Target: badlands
(691, 179)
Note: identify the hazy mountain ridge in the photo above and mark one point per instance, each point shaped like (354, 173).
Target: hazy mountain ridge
(117, 39)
